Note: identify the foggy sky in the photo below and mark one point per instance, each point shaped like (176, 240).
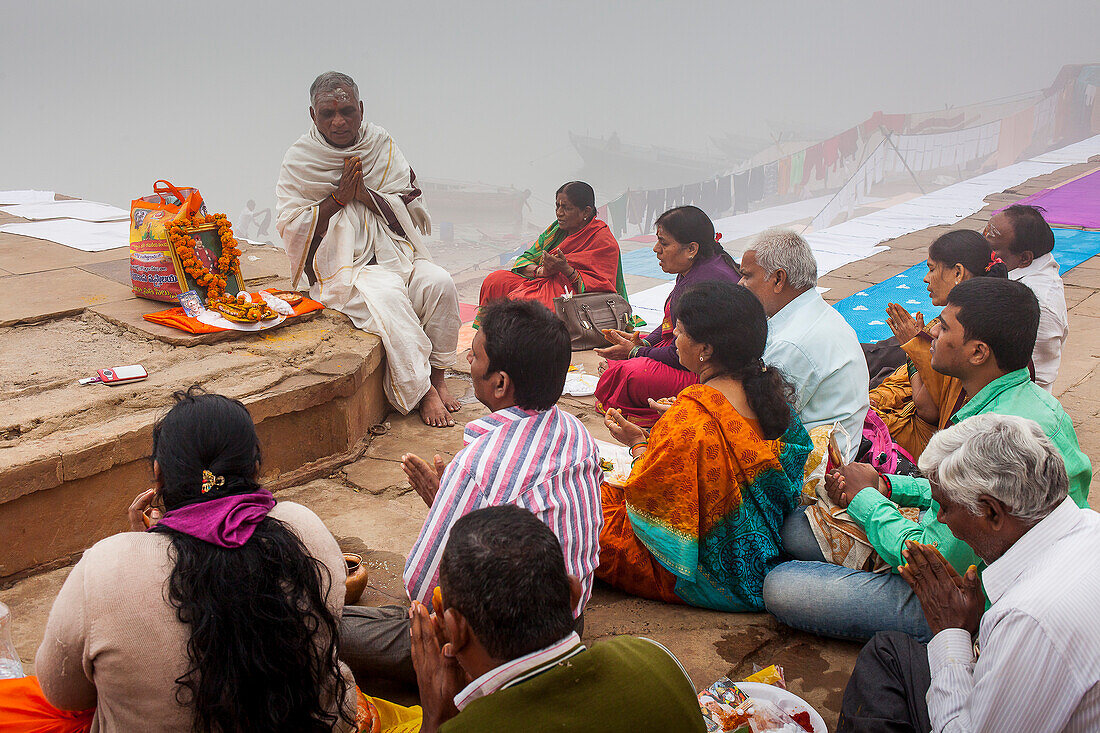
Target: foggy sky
(100, 99)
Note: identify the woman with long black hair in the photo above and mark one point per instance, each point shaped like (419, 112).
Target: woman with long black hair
(222, 617)
(697, 520)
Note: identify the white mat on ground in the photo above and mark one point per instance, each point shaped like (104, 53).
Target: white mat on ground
(743, 225)
(945, 206)
(858, 238)
(88, 236)
(69, 209)
(25, 196)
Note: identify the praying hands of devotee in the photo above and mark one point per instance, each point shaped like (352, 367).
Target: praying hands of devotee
(439, 676)
(843, 483)
(904, 325)
(424, 478)
(949, 600)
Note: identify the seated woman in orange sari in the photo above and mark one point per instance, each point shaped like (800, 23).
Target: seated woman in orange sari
(916, 401)
(698, 519)
(577, 253)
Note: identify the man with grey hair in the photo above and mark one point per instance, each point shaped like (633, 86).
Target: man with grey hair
(808, 341)
(351, 218)
(1002, 488)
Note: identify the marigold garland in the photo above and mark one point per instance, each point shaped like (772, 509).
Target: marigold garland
(228, 262)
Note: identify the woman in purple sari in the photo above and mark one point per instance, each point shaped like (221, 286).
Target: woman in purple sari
(643, 369)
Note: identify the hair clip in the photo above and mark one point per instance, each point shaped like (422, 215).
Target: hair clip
(718, 237)
(210, 481)
(993, 260)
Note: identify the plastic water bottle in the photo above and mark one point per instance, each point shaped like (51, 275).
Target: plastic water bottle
(10, 666)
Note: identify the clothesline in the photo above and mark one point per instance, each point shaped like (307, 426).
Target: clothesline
(968, 143)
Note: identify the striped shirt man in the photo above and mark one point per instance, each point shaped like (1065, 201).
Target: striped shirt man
(544, 461)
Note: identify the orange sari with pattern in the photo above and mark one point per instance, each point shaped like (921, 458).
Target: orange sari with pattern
(698, 519)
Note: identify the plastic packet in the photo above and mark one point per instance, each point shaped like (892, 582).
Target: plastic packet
(772, 675)
(764, 717)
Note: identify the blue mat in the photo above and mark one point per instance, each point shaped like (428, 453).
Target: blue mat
(643, 262)
(866, 310)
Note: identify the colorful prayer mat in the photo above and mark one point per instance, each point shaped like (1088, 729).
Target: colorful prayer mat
(1073, 204)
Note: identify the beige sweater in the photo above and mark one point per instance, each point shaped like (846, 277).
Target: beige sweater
(113, 642)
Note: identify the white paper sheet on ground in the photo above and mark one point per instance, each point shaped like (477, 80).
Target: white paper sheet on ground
(25, 196)
(743, 225)
(619, 455)
(69, 209)
(580, 385)
(88, 236)
(945, 206)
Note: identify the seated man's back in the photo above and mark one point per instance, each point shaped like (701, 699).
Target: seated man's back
(504, 620)
(623, 684)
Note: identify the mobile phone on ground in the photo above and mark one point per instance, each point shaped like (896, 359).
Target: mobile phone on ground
(118, 375)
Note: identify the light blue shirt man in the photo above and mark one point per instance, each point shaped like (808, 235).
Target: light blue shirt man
(819, 354)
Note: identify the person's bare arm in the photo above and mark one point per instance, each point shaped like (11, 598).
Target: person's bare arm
(350, 182)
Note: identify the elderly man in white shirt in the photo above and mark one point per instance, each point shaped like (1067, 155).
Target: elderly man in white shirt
(1002, 488)
(808, 341)
(1022, 238)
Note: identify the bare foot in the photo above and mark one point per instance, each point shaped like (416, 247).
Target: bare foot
(433, 412)
(440, 383)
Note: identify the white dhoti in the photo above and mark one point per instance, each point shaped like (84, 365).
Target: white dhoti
(377, 272)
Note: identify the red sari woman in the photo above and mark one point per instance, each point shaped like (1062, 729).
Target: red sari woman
(577, 253)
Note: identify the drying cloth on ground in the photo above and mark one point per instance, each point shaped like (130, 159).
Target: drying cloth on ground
(1073, 204)
(68, 209)
(87, 236)
(25, 196)
(643, 262)
(866, 310)
(945, 206)
(754, 222)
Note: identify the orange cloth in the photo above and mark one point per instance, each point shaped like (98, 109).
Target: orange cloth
(893, 399)
(24, 708)
(176, 318)
(624, 560)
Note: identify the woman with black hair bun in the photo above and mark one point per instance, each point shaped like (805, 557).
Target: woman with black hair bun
(642, 369)
(916, 400)
(698, 519)
(223, 616)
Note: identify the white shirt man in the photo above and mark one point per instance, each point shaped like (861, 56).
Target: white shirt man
(809, 342)
(1043, 279)
(1039, 667)
(819, 354)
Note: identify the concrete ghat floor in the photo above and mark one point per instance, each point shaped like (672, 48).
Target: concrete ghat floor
(370, 508)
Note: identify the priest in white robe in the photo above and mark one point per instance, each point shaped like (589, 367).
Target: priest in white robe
(351, 219)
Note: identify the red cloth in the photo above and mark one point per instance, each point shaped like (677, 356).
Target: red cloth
(593, 252)
(832, 151)
(627, 385)
(24, 708)
(815, 160)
